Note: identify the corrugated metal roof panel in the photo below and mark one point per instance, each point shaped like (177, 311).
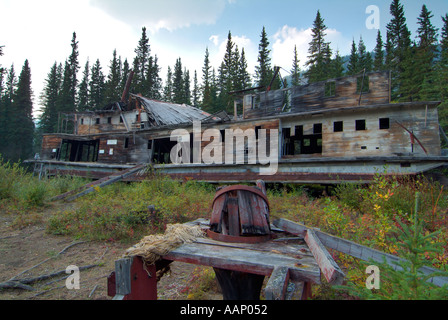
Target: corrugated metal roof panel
(164, 113)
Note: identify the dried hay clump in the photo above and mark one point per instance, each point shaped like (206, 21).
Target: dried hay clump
(152, 247)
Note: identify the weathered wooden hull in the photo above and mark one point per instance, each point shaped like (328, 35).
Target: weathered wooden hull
(309, 171)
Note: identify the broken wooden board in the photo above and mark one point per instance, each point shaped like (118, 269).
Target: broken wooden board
(105, 182)
(327, 265)
(353, 249)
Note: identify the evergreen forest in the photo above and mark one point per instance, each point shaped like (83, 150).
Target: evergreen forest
(418, 65)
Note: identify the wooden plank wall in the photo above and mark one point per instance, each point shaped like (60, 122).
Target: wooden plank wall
(312, 96)
(111, 149)
(49, 143)
(422, 119)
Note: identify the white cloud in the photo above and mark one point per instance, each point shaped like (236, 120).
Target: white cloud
(288, 37)
(214, 39)
(166, 14)
(44, 31)
(283, 47)
(217, 53)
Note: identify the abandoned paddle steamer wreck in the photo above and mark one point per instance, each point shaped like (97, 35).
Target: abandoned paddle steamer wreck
(343, 129)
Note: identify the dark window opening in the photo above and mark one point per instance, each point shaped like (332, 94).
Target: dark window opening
(97, 120)
(330, 89)
(79, 151)
(363, 148)
(126, 143)
(317, 129)
(121, 119)
(257, 131)
(223, 135)
(361, 125)
(82, 120)
(301, 144)
(338, 126)
(109, 120)
(384, 123)
(162, 150)
(405, 165)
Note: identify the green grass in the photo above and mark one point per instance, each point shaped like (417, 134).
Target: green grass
(369, 215)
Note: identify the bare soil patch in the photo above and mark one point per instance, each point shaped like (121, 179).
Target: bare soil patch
(22, 249)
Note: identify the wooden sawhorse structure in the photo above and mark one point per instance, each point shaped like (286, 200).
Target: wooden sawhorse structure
(284, 259)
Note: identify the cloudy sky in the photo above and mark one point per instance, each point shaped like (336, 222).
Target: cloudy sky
(41, 30)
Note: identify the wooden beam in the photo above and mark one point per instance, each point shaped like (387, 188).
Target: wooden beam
(353, 249)
(278, 282)
(107, 181)
(327, 265)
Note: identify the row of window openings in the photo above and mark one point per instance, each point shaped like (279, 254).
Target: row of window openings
(109, 120)
(360, 125)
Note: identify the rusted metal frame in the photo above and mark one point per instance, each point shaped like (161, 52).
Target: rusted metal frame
(413, 137)
(237, 239)
(355, 250)
(133, 279)
(127, 86)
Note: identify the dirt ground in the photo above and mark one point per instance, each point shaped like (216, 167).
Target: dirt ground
(32, 247)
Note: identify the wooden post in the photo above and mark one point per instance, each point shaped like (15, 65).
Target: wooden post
(277, 284)
(237, 285)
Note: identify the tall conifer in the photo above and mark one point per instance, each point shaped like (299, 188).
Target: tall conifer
(319, 57)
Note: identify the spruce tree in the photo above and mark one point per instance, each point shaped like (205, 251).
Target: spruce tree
(365, 58)
(141, 66)
(337, 66)
(196, 93)
(207, 101)
(405, 279)
(228, 73)
(187, 87)
(48, 121)
(244, 78)
(263, 71)
(74, 68)
(7, 112)
(96, 87)
(168, 89)
(353, 64)
(21, 129)
(178, 83)
(319, 51)
(112, 86)
(2, 111)
(442, 75)
(153, 81)
(295, 71)
(83, 91)
(426, 54)
(399, 56)
(378, 64)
